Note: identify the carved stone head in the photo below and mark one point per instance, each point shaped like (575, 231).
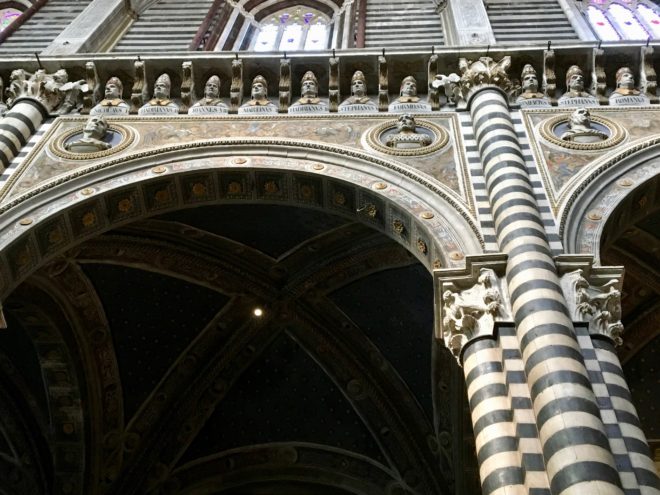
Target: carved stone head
(625, 78)
(96, 127)
(530, 82)
(406, 123)
(212, 88)
(113, 88)
(162, 86)
(259, 88)
(408, 87)
(575, 79)
(309, 85)
(580, 119)
(358, 84)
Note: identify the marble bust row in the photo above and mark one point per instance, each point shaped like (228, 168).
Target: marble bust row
(359, 102)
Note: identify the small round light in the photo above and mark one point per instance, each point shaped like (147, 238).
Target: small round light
(258, 312)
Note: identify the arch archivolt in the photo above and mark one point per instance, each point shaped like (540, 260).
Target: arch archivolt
(426, 217)
(589, 204)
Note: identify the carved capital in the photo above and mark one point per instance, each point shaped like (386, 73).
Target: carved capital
(469, 301)
(484, 72)
(53, 91)
(593, 294)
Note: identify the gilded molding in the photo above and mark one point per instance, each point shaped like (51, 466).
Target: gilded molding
(440, 139)
(57, 146)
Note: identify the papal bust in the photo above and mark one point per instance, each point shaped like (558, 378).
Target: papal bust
(309, 96)
(161, 101)
(259, 102)
(112, 102)
(211, 103)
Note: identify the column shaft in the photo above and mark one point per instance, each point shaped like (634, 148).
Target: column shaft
(575, 447)
(16, 127)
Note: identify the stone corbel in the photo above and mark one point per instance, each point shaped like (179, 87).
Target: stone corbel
(598, 80)
(647, 76)
(549, 76)
(285, 85)
(383, 97)
(139, 92)
(187, 87)
(470, 301)
(434, 88)
(333, 85)
(593, 294)
(94, 95)
(236, 91)
(3, 107)
(484, 72)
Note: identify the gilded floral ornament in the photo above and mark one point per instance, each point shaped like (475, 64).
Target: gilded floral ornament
(484, 72)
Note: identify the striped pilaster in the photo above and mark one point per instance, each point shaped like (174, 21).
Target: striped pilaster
(627, 440)
(492, 419)
(18, 124)
(575, 446)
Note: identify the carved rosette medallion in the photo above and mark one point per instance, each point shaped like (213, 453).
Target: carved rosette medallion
(122, 137)
(552, 129)
(377, 137)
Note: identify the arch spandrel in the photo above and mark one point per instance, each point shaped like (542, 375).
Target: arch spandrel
(431, 223)
(588, 205)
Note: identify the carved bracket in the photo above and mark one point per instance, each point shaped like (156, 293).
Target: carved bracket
(598, 80)
(434, 93)
(236, 91)
(333, 85)
(383, 97)
(593, 294)
(53, 91)
(647, 76)
(139, 93)
(285, 85)
(187, 87)
(94, 95)
(549, 75)
(470, 301)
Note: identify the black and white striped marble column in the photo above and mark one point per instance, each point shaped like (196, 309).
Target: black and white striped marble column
(19, 123)
(576, 449)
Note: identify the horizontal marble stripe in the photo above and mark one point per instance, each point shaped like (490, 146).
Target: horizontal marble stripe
(4, 159)
(513, 217)
(494, 390)
(483, 381)
(501, 157)
(488, 405)
(534, 250)
(27, 121)
(31, 108)
(550, 352)
(491, 124)
(566, 404)
(9, 144)
(574, 436)
(522, 234)
(587, 471)
(20, 139)
(478, 346)
(619, 391)
(545, 330)
(630, 419)
(558, 377)
(513, 203)
(493, 418)
(532, 307)
(638, 446)
(500, 478)
(496, 446)
(511, 189)
(574, 419)
(534, 296)
(528, 285)
(482, 369)
(647, 478)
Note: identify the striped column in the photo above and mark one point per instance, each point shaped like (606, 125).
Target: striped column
(575, 446)
(19, 123)
(492, 419)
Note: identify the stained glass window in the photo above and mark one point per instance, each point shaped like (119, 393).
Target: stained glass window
(296, 28)
(7, 16)
(624, 19)
(651, 18)
(601, 24)
(627, 23)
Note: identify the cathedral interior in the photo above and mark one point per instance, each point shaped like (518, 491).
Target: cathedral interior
(265, 247)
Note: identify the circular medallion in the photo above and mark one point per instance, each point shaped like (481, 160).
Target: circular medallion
(597, 134)
(118, 137)
(423, 137)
